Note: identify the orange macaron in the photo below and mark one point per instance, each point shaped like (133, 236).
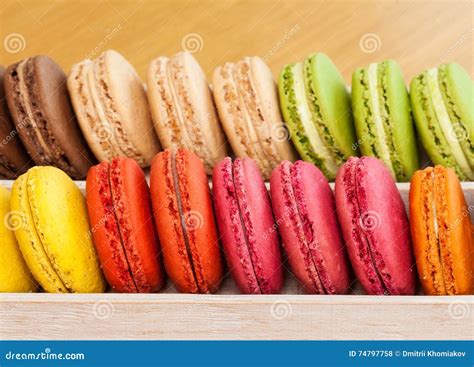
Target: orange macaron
(442, 232)
(184, 218)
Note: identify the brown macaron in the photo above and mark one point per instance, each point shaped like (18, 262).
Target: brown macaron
(441, 230)
(39, 104)
(13, 157)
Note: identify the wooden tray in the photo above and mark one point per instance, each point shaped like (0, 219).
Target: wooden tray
(228, 315)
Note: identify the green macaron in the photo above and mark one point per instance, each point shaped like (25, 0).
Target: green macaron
(316, 107)
(382, 118)
(442, 100)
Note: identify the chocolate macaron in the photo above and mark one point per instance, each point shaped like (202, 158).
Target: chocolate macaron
(13, 157)
(39, 103)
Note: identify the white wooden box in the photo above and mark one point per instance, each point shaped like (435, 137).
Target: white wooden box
(229, 315)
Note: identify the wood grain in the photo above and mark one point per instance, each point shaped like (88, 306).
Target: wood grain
(418, 34)
(172, 316)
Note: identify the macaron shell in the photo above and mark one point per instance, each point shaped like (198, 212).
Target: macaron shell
(61, 142)
(445, 265)
(192, 259)
(98, 132)
(199, 218)
(458, 94)
(29, 242)
(398, 130)
(403, 132)
(425, 246)
(231, 230)
(182, 108)
(319, 258)
(129, 99)
(375, 227)
(249, 239)
(14, 273)
(132, 202)
(246, 98)
(105, 229)
(428, 127)
(265, 85)
(334, 103)
(111, 105)
(66, 239)
(13, 157)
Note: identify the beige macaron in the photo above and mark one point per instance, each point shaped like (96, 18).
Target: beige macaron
(110, 103)
(183, 110)
(246, 99)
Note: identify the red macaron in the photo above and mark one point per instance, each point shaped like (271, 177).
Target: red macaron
(118, 202)
(245, 221)
(185, 221)
(305, 213)
(375, 227)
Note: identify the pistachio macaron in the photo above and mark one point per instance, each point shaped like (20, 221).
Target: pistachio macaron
(316, 107)
(14, 274)
(54, 234)
(382, 118)
(443, 108)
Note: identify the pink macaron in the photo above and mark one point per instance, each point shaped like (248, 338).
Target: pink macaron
(375, 227)
(245, 221)
(305, 213)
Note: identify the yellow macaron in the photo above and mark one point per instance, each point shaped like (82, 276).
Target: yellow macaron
(14, 274)
(54, 236)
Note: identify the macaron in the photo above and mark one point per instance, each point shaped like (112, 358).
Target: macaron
(124, 233)
(183, 109)
(316, 107)
(305, 212)
(441, 231)
(39, 104)
(110, 103)
(246, 98)
(375, 227)
(246, 225)
(13, 157)
(443, 107)
(382, 118)
(185, 221)
(54, 235)
(15, 277)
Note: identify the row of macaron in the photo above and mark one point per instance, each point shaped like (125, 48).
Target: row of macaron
(133, 234)
(309, 113)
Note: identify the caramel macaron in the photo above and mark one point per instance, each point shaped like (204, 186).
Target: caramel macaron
(442, 232)
(110, 102)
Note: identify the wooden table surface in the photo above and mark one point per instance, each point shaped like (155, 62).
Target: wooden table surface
(353, 33)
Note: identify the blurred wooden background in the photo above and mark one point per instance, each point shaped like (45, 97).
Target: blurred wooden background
(353, 33)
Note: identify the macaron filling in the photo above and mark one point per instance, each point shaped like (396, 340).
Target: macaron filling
(302, 224)
(34, 120)
(236, 108)
(362, 235)
(302, 119)
(445, 123)
(255, 115)
(317, 113)
(42, 261)
(112, 224)
(437, 229)
(377, 109)
(184, 229)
